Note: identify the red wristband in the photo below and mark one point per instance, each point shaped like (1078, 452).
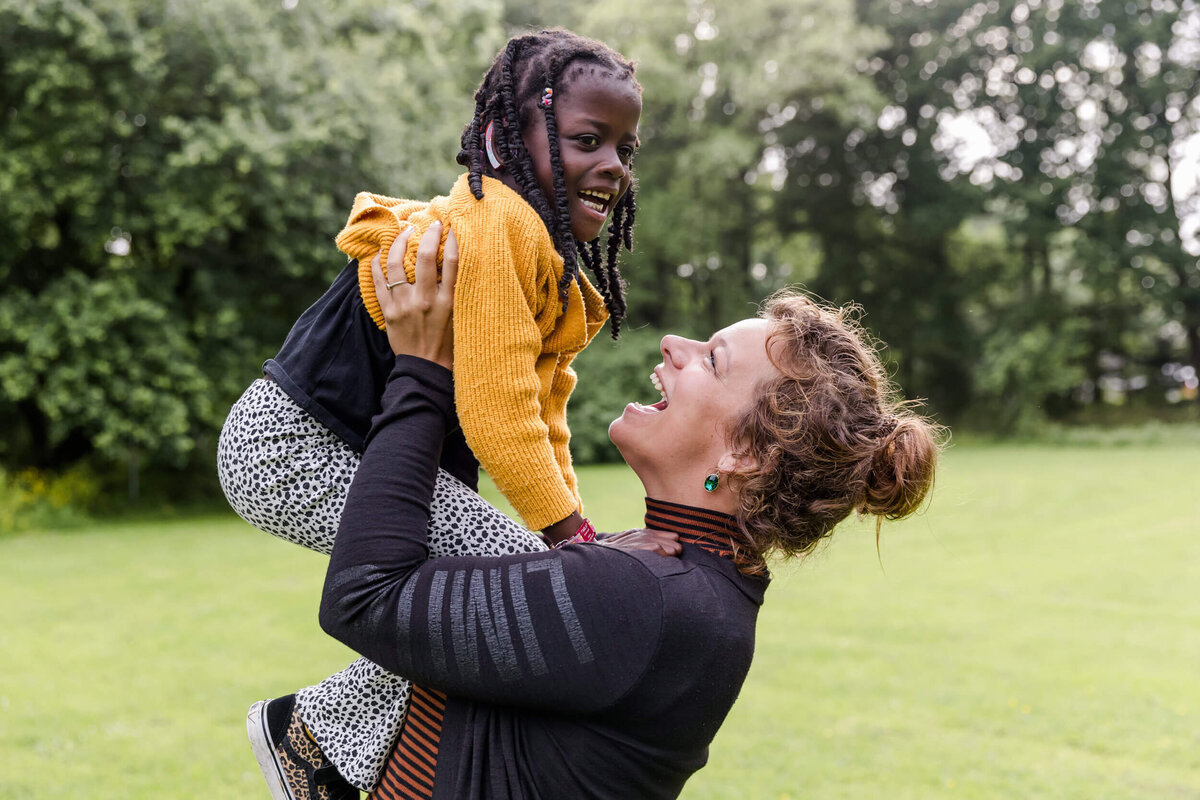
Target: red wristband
(584, 534)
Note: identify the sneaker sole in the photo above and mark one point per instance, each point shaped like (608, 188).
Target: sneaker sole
(268, 761)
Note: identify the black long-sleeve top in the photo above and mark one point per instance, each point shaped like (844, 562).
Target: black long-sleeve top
(585, 672)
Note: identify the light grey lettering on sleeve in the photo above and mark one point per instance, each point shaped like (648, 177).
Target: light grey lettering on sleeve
(533, 651)
(487, 615)
(404, 610)
(437, 590)
(462, 629)
(566, 609)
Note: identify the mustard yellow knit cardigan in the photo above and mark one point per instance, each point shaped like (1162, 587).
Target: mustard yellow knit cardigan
(513, 342)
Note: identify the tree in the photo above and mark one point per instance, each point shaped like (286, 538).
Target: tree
(718, 84)
(1088, 106)
(867, 180)
(171, 178)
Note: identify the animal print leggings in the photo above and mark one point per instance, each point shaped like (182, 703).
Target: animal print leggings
(284, 472)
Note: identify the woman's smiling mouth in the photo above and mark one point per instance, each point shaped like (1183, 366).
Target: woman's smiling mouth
(642, 408)
(657, 383)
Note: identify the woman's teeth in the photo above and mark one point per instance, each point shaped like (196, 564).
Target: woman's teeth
(597, 201)
(657, 384)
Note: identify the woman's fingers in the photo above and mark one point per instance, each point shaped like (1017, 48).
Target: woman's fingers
(395, 272)
(381, 291)
(426, 271)
(417, 314)
(449, 266)
(395, 259)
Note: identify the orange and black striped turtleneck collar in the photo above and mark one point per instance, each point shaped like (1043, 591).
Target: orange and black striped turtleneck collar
(709, 530)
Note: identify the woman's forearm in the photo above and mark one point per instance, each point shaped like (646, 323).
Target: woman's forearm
(386, 518)
(543, 630)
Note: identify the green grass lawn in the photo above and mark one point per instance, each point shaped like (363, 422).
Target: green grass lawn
(1034, 634)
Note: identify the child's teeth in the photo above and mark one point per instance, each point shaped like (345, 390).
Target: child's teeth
(597, 201)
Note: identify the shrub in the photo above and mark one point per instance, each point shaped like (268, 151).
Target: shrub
(31, 498)
(611, 374)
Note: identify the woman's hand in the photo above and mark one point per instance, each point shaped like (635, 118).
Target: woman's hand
(664, 543)
(417, 315)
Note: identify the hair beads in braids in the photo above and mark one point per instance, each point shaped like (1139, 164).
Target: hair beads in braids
(509, 93)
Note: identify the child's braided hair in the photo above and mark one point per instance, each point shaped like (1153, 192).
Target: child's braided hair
(522, 71)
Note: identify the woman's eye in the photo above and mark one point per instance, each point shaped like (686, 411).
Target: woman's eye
(712, 359)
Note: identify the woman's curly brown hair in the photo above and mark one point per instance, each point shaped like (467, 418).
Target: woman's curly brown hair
(828, 437)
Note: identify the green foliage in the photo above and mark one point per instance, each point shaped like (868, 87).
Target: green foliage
(34, 500)
(1022, 362)
(103, 362)
(610, 376)
(171, 178)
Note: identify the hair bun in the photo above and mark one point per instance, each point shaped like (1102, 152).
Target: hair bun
(901, 469)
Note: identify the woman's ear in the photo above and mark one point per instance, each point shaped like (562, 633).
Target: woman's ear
(736, 463)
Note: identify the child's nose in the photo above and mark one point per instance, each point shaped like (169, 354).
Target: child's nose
(610, 164)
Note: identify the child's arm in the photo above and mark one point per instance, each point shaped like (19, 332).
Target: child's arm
(501, 375)
(555, 414)
(375, 222)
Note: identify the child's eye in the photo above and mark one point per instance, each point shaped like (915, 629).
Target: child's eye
(588, 140)
(627, 153)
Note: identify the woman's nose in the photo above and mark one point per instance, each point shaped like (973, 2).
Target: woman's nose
(675, 350)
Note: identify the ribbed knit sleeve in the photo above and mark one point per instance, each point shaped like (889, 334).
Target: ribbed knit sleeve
(506, 310)
(555, 412)
(558, 433)
(513, 342)
(375, 222)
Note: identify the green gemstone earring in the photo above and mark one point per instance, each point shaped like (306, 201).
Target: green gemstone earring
(710, 483)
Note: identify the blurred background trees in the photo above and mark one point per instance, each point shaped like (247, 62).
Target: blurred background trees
(1009, 188)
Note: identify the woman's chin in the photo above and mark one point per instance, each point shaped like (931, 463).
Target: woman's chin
(614, 431)
(633, 415)
(618, 433)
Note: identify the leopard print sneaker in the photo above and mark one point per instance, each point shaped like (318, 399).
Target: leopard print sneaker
(291, 762)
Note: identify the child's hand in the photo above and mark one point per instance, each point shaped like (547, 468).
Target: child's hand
(664, 543)
(417, 315)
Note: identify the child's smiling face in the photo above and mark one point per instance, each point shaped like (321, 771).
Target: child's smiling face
(597, 118)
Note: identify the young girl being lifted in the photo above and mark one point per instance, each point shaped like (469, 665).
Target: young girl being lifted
(548, 153)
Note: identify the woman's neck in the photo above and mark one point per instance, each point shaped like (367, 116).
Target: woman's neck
(712, 530)
(690, 490)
